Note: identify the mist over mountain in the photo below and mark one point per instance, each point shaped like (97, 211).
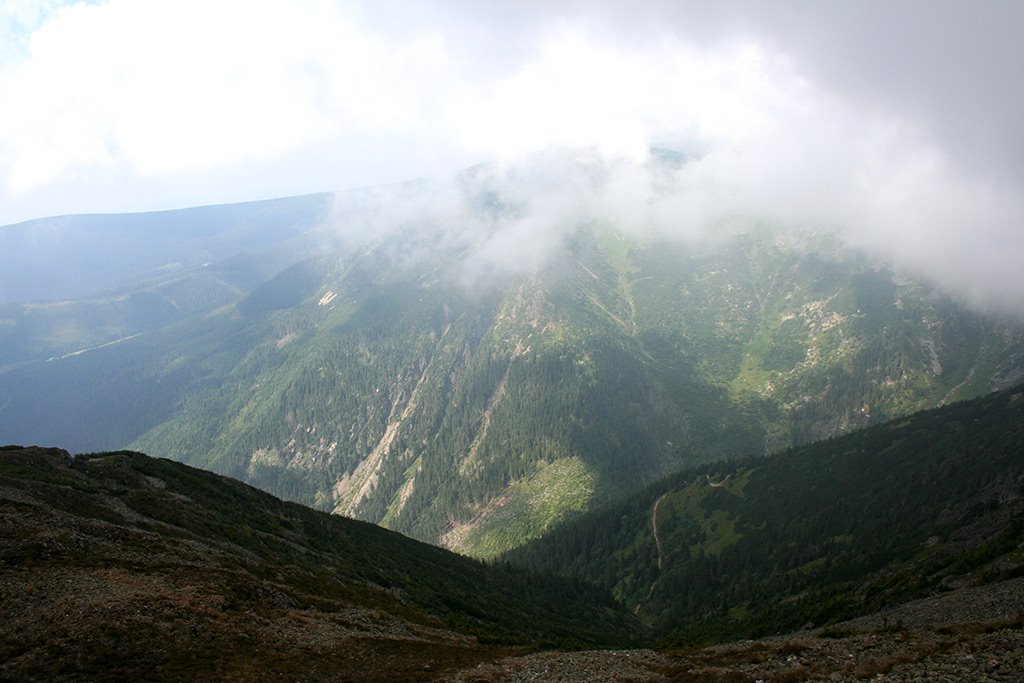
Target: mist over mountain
(897, 132)
(699, 196)
(473, 362)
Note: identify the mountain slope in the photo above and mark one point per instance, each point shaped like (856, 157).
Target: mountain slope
(122, 566)
(412, 380)
(817, 534)
(482, 418)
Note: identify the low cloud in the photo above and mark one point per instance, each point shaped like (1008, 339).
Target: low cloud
(877, 181)
(894, 126)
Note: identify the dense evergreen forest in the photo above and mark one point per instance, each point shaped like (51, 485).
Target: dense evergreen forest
(814, 535)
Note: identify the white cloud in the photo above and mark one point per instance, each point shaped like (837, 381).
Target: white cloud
(167, 86)
(142, 104)
(154, 85)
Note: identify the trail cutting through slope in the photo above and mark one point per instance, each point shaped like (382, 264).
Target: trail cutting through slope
(970, 376)
(657, 538)
(661, 550)
(93, 348)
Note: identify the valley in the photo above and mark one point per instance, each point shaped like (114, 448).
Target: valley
(814, 535)
(389, 381)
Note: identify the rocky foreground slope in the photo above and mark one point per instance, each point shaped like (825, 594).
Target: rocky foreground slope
(968, 635)
(123, 567)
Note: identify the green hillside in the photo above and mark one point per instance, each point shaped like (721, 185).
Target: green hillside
(403, 382)
(814, 535)
(479, 419)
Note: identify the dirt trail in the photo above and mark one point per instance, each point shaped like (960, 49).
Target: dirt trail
(93, 348)
(661, 549)
(970, 376)
(654, 527)
(719, 484)
(626, 325)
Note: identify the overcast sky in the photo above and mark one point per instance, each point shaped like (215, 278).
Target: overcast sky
(898, 123)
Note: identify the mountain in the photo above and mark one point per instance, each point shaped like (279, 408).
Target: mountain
(430, 372)
(71, 257)
(819, 534)
(117, 566)
(73, 283)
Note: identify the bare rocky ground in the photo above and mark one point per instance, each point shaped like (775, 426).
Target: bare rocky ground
(120, 623)
(972, 634)
(962, 654)
(189, 621)
(86, 594)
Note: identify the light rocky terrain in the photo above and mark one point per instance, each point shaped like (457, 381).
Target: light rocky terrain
(973, 634)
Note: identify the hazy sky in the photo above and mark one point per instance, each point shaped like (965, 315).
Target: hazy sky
(898, 123)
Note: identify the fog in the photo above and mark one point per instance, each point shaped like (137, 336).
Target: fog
(897, 126)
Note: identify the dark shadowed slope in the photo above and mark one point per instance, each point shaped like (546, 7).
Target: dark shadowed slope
(122, 566)
(817, 534)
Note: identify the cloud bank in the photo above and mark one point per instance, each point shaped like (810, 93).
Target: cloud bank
(897, 126)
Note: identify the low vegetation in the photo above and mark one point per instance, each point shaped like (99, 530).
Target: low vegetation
(118, 565)
(191, 574)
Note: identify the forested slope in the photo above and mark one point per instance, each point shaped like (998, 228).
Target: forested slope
(401, 380)
(816, 534)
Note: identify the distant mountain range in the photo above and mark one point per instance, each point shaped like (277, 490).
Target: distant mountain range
(71, 257)
(379, 368)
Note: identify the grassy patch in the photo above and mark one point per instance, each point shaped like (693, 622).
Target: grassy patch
(534, 505)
